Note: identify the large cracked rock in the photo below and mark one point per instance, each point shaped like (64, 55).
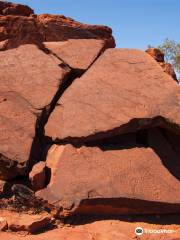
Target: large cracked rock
(93, 181)
(123, 91)
(29, 80)
(107, 122)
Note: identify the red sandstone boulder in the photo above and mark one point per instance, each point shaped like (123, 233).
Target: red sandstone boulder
(79, 54)
(29, 80)
(122, 92)
(37, 176)
(7, 8)
(102, 181)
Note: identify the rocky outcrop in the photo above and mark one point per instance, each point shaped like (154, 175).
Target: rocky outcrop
(85, 129)
(7, 8)
(36, 29)
(158, 55)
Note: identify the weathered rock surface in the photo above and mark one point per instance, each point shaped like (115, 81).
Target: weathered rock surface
(90, 180)
(114, 114)
(26, 222)
(37, 176)
(158, 55)
(79, 54)
(36, 29)
(122, 92)
(29, 80)
(17, 132)
(7, 8)
(31, 73)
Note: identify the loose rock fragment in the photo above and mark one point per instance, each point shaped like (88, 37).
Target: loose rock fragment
(37, 176)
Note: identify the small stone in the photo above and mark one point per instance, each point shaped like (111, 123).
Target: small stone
(29, 223)
(37, 176)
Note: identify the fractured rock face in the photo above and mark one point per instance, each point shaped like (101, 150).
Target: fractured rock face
(125, 90)
(61, 28)
(91, 180)
(79, 54)
(36, 29)
(29, 80)
(34, 75)
(17, 130)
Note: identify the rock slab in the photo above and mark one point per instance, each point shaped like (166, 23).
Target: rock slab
(95, 181)
(122, 92)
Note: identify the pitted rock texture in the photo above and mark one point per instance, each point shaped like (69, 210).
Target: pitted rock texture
(31, 73)
(122, 92)
(29, 80)
(92, 181)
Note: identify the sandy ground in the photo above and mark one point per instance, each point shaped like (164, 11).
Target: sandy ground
(106, 230)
